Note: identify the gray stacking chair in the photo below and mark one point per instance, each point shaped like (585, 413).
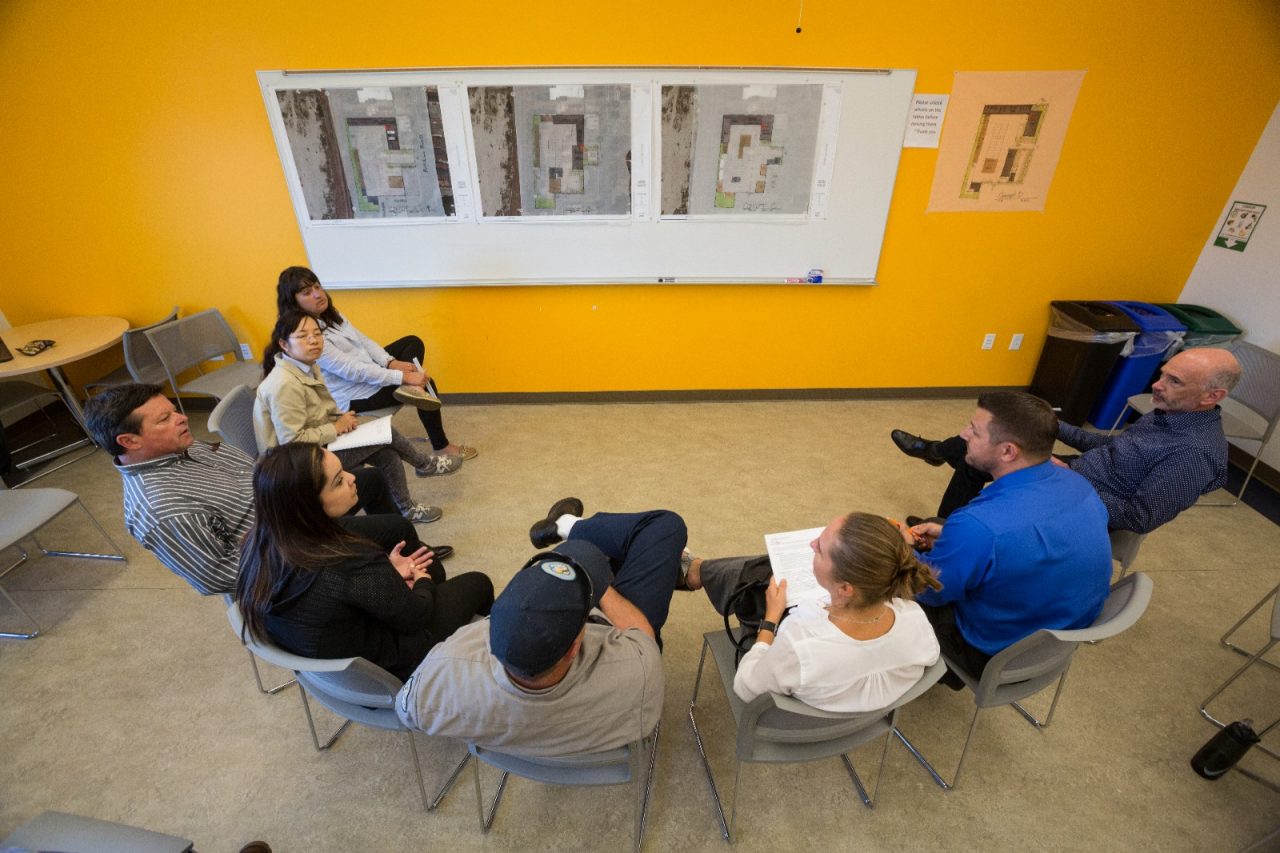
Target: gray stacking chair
(23, 512)
(780, 729)
(141, 364)
(1032, 664)
(614, 767)
(1226, 638)
(1253, 658)
(62, 831)
(232, 419)
(1258, 391)
(352, 688)
(1124, 548)
(188, 343)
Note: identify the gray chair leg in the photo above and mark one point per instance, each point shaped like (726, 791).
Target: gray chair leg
(1226, 643)
(486, 816)
(1053, 706)
(1204, 706)
(646, 785)
(924, 762)
(868, 800)
(449, 783)
(315, 738)
(20, 635)
(702, 752)
(117, 555)
(269, 691)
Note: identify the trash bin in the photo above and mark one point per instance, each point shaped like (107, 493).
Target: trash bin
(1085, 339)
(1161, 333)
(1205, 327)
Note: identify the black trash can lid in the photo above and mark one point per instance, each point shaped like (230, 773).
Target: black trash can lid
(1099, 316)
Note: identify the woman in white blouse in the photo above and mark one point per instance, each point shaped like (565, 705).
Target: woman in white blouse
(361, 375)
(859, 652)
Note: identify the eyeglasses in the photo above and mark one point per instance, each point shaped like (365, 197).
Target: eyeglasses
(307, 336)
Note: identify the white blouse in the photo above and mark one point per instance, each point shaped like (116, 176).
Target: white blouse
(814, 661)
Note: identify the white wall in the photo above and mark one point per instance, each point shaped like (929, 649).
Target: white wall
(1245, 286)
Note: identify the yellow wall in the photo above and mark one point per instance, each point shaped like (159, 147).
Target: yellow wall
(140, 172)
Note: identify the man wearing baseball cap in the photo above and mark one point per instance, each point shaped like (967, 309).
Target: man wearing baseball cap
(569, 659)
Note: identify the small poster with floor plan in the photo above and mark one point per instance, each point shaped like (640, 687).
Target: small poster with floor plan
(738, 149)
(1002, 139)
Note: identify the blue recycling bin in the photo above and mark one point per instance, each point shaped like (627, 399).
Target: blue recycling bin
(1160, 331)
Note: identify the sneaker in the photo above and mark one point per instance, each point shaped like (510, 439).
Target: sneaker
(468, 452)
(423, 514)
(686, 561)
(439, 463)
(420, 398)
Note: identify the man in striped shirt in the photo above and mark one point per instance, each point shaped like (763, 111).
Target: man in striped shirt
(190, 502)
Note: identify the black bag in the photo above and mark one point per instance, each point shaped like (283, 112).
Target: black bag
(747, 604)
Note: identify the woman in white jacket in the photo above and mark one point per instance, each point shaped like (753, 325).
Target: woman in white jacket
(361, 375)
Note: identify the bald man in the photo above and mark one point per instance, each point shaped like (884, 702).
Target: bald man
(1145, 475)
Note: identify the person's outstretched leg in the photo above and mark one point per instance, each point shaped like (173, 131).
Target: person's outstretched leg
(966, 483)
(644, 552)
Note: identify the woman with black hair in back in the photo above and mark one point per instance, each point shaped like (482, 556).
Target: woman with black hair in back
(315, 589)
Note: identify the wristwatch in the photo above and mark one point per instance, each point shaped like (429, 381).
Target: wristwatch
(769, 625)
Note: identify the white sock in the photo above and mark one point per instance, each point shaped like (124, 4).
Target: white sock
(565, 523)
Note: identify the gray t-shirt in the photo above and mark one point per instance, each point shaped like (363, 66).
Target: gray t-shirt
(611, 696)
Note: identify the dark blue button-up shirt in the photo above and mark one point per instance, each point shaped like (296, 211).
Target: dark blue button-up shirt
(1156, 468)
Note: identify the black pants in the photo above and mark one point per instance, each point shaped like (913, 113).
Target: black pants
(953, 644)
(407, 349)
(967, 481)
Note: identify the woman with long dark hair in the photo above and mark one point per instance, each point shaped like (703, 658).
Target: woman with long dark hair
(318, 590)
(858, 651)
(362, 375)
(293, 404)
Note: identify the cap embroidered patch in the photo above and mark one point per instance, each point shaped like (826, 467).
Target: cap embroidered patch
(559, 570)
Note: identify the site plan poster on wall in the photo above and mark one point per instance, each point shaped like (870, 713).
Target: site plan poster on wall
(1002, 138)
(491, 176)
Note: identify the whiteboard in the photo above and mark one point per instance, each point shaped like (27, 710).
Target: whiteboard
(852, 157)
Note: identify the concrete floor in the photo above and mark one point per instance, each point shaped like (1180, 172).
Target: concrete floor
(137, 703)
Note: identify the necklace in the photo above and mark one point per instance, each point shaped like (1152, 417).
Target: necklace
(836, 618)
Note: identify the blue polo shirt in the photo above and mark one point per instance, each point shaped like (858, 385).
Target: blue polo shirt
(1030, 552)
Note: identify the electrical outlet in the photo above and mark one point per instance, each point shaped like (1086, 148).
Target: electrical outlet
(988, 340)
(1016, 341)
(248, 353)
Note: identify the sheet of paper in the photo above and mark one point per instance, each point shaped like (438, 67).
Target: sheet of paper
(368, 434)
(792, 560)
(924, 123)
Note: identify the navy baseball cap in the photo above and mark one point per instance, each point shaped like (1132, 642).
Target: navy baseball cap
(538, 616)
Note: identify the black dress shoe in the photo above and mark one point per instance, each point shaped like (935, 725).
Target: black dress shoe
(543, 533)
(920, 448)
(442, 552)
(913, 520)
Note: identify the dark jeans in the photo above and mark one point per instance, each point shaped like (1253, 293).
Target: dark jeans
(953, 644)
(966, 483)
(407, 349)
(644, 554)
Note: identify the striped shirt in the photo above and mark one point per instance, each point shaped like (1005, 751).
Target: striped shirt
(191, 510)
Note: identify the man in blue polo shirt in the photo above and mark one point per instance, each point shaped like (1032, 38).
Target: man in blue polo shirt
(1030, 552)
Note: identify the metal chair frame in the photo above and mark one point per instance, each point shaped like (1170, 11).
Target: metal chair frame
(614, 767)
(200, 337)
(1255, 657)
(773, 728)
(351, 688)
(118, 555)
(1032, 664)
(141, 363)
(1226, 643)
